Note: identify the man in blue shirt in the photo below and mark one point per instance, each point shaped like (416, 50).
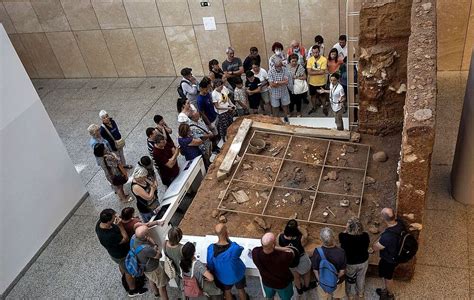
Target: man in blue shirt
(223, 260)
(206, 106)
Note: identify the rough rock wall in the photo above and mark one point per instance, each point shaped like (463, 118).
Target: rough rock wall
(419, 119)
(384, 32)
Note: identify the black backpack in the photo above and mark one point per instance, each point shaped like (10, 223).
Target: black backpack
(407, 246)
(180, 90)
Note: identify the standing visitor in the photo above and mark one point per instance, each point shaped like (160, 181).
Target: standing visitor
(300, 266)
(96, 138)
(319, 41)
(355, 243)
(298, 74)
(166, 160)
(188, 145)
(173, 250)
(262, 75)
(113, 169)
(145, 192)
(278, 55)
(252, 57)
(164, 129)
(223, 260)
(253, 90)
(215, 71)
(299, 51)
(110, 131)
(336, 98)
(317, 66)
(341, 46)
(334, 61)
(232, 67)
(206, 107)
(189, 84)
(273, 263)
(388, 247)
(240, 97)
(329, 256)
(224, 107)
(278, 77)
(113, 237)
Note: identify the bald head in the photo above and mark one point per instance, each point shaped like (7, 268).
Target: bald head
(221, 231)
(388, 214)
(268, 241)
(141, 232)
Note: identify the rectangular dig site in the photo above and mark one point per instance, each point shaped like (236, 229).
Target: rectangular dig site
(285, 176)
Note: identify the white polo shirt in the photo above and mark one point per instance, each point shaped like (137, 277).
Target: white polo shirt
(336, 92)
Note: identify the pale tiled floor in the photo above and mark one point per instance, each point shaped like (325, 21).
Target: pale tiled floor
(74, 265)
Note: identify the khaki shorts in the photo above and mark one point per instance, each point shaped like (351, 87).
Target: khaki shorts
(158, 276)
(266, 96)
(339, 293)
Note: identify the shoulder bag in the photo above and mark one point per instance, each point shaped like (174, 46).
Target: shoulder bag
(120, 143)
(299, 86)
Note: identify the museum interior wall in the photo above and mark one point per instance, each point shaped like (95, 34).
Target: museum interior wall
(39, 183)
(138, 38)
(455, 34)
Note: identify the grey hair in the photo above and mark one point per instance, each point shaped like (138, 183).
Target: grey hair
(277, 61)
(388, 214)
(327, 236)
(159, 138)
(229, 49)
(93, 128)
(354, 226)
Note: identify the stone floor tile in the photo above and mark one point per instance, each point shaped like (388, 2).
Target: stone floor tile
(439, 190)
(121, 83)
(443, 232)
(432, 282)
(72, 83)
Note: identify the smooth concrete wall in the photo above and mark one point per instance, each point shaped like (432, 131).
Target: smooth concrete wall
(38, 181)
(137, 38)
(455, 34)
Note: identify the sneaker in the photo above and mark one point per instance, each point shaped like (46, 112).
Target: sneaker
(137, 292)
(312, 110)
(285, 118)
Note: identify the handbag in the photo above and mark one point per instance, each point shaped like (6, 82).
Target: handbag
(299, 86)
(120, 143)
(169, 268)
(119, 180)
(190, 284)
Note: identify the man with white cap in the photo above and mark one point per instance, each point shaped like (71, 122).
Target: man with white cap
(273, 263)
(110, 131)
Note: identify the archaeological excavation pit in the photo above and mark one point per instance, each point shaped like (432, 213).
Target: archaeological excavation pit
(288, 177)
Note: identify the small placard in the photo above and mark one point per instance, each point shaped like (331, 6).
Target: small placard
(209, 23)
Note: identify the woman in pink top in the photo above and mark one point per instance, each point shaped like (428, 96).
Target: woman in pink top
(334, 61)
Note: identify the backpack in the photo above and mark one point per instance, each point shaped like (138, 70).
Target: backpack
(131, 261)
(407, 247)
(181, 92)
(327, 274)
(190, 284)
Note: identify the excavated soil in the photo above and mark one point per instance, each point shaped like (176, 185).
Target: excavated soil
(295, 187)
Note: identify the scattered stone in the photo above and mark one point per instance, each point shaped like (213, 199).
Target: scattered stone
(426, 6)
(325, 214)
(415, 226)
(355, 137)
(222, 194)
(423, 114)
(241, 196)
(297, 198)
(294, 216)
(402, 88)
(264, 195)
(373, 229)
(222, 219)
(215, 213)
(344, 203)
(410, 158)
(357, 202)
(410, 216)
(247, 167)
(226, 182)
(332, 175)
(369, 180)
(372, 108)
(261, 223)
(391, 88)
(380, 156)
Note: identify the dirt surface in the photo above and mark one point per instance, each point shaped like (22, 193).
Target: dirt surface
(285, 202)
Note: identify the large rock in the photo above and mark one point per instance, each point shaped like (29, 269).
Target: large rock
(380, 156)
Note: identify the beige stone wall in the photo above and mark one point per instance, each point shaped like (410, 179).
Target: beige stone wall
(137, 38)
(455, 34)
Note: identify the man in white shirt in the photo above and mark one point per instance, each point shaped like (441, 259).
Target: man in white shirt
(341, 46)
(336, 98)
(189, 84)
(262, 75)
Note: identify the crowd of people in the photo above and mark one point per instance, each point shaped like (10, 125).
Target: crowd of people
(206, 109)
(336, 269)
